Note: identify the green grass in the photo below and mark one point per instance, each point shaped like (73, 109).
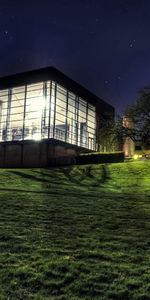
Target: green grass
(75, 233)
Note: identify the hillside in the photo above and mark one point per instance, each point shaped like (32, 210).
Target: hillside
(75, 233)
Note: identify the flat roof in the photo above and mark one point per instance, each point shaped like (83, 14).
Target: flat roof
(51, 73)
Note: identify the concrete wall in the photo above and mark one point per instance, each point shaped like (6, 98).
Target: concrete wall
(36, 154)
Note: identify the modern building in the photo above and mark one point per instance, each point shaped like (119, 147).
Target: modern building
(47, 106)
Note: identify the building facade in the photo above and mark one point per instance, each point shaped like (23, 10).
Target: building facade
(46, 110)
(47, 105)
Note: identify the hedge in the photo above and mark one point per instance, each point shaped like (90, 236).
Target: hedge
(85, 159)
(99, 158)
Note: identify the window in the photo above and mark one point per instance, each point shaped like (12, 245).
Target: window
(46, 110)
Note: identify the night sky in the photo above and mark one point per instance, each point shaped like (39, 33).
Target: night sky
(102, 44)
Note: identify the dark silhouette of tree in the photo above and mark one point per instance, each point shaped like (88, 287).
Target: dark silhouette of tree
(110, 131)
(135, 125)
(139, 115)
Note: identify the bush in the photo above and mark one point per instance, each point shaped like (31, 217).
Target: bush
(100, 158)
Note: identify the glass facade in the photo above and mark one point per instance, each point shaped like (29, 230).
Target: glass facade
(46, 110)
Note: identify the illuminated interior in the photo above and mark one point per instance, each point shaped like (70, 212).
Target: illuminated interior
(46, 110)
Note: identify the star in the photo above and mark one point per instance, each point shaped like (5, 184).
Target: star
(132, 44)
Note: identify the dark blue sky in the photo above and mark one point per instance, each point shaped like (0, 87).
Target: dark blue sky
(102, 44)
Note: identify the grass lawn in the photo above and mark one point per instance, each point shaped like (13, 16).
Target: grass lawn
(75, 233)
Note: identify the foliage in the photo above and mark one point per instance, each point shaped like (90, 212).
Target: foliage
(139, 114)
(113, 132)
(110, 133)
(75, 233)
(96, 153)
(100, 158)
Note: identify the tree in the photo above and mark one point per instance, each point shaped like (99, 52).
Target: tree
(139, 116)
(110, 133)
(135, 125)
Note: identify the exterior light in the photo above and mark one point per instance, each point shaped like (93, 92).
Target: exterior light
(136, 156)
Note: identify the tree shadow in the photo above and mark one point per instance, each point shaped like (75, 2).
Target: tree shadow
(105, 174)
(29, 176)
(50, 192)
(42, 173)
(88, 172)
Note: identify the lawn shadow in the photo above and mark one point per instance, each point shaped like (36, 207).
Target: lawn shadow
(50, 192)
(29, 176)
(105, 174)
(80, 175)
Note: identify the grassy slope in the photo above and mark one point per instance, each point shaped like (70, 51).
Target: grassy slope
(75, 233)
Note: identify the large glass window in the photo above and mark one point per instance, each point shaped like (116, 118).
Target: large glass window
(72, 119)
(61, 114)
(3, 114)
(34, 112)
(82, 123)
(46, 110)
(91, 126)
(15, 114)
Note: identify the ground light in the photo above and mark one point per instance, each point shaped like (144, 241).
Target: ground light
(136, 156)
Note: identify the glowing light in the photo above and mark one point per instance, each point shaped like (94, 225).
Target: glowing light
(136, 156)
(37, 136)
